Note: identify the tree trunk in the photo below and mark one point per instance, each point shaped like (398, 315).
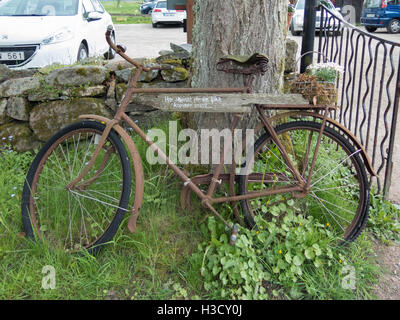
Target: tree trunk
(236, 27)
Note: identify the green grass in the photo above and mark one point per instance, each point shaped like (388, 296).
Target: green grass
(153, 264)
(167, 256)
(127, 13)
(131, 20)
(126, 7)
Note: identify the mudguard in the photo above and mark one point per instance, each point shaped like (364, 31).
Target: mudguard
(137, 165)
(354, 140)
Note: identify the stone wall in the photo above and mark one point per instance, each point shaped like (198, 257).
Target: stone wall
(34, 104)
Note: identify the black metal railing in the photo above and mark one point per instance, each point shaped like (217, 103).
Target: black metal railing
(369, 89)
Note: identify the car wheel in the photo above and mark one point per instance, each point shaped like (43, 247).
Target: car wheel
(155, 25)
(110, 54)
(393, 26)
(371, 29)
(82, 52)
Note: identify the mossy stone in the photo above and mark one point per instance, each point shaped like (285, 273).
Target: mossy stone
(49, 117)
(19, 136)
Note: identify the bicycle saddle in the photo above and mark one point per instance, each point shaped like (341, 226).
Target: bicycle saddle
(248, 64)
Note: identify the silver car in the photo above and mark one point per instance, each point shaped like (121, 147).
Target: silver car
(296, 25)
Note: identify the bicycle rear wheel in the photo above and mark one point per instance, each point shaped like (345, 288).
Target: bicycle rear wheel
(339, 190)
(89, 214)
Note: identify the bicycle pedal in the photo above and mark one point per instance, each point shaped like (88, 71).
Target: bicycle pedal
(234, 235)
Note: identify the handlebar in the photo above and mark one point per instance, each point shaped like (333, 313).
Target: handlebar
(121, 51)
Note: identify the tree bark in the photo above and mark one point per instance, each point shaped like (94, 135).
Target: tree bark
(236, 27)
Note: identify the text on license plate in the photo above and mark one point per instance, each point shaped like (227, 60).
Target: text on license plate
(370, 15)
(16, 55)
(168, 14)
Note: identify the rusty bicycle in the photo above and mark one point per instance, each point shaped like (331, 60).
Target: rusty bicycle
(80, 184)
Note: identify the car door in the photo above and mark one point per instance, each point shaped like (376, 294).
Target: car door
(102, 24)
(94, 30)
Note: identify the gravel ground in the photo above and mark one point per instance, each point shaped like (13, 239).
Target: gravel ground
(388, 257)
(142, 40)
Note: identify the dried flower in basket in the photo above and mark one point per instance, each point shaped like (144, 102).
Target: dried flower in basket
(326, 72)
(315, 91)
(317, 85)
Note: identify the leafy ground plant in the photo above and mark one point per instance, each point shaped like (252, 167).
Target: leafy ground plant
(384, 219)
(297, 259)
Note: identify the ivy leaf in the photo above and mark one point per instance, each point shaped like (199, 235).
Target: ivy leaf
(317, 249)
(215, 270)
(288, 257)
(318, 263)
(297, 260)
(309, 253)
(229, 264)
(264, 209)
(275, 211)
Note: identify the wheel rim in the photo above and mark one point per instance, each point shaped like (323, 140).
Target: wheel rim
(337, 195)
(77, 218)
(395, 26)
(82, 54)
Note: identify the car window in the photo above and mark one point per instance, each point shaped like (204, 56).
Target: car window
(97, 6)
(38, 7)
(87, 7)
(300, 5)
(372, 3)
(162, 4)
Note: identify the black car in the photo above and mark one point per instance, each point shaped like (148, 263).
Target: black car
(147, 6)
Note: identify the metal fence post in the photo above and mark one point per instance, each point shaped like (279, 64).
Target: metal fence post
(389, 164)
(307, 44)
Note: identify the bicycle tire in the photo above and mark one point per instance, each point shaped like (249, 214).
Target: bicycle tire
(357, 188)
(45, 208)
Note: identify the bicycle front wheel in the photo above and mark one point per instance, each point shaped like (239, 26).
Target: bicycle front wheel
(88, 214)
(339, 190)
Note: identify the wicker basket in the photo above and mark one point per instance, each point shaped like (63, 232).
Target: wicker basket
(316, 92)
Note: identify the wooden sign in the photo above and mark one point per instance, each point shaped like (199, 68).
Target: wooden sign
(214, 102)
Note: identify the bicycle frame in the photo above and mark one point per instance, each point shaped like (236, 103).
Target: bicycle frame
(207, 199)
(299, 188)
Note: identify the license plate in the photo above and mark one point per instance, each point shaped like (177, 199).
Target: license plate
(168, 14)
(370, 15)
(15, 55)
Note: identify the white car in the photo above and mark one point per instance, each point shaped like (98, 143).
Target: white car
(37, 33)
(161, 15)
(296, 25)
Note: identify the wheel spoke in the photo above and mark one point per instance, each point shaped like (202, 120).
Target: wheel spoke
(79, 217)
(339, 187)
